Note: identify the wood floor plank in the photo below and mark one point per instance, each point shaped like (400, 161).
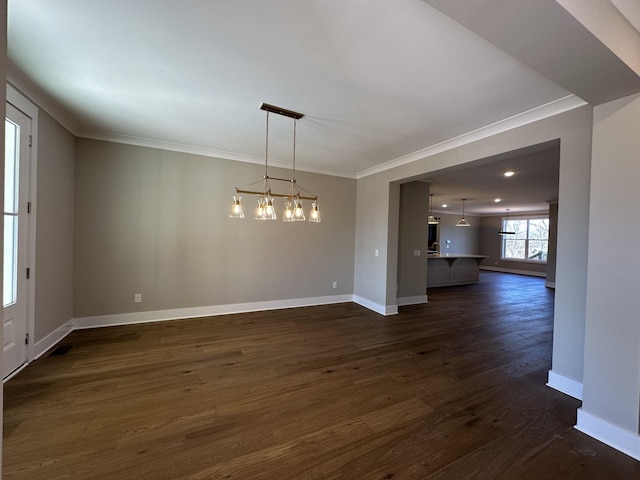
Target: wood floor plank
(454, 389)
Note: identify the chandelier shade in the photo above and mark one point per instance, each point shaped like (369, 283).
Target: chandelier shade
(287, 214)
(236, 208)
(314, 216)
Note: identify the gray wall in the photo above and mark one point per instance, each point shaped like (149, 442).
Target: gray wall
(54, 227)
(373, 217)
(612, 343)
(572, 238)
(412, 270)
(553, 245)
(156, 222)
(463, 239)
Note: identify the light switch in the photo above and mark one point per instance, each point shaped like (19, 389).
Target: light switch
(416, 253)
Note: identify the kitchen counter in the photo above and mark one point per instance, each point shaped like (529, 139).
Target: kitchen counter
(453, 269)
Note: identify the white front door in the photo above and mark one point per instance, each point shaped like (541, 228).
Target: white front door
(17, 139)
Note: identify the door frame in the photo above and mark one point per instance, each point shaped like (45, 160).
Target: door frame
(19, 101)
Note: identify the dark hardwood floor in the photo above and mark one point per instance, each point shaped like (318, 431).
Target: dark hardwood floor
(450, 390)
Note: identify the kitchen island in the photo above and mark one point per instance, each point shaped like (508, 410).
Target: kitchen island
(453, 269)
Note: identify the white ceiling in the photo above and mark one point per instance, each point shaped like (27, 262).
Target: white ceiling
(377, 80)
(532, 187)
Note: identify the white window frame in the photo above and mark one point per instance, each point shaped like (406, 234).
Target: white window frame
(526, 240)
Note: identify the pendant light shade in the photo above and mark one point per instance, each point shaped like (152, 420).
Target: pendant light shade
(463, 221)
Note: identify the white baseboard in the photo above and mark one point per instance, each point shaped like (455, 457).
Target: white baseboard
(622, 440)
(43, 345)
(391, 310)
(516, 271)
(376, 307)
(208, 311)
(15, 372)
(412, 300)
(566, 385)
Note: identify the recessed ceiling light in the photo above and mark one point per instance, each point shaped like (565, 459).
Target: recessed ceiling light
(509, 173)
(498, 200)
(444, 205)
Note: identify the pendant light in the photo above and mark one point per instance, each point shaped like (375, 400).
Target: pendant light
(506, 224)
(463, 221)
(431, 220)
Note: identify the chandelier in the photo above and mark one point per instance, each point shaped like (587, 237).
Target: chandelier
(265, 209)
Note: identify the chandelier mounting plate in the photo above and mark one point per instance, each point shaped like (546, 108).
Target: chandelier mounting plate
(281, 111)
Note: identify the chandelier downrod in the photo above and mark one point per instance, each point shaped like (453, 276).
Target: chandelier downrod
(266, 149)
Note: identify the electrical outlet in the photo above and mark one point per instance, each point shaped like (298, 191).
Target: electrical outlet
(416, 253)
(335, 284)
(377, 253)
(137, 297)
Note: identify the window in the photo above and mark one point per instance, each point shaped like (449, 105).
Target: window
(11, 159)
(530, 242)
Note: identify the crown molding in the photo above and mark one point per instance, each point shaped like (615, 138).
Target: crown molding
(22, 83)
(547, 110)
(204, 151)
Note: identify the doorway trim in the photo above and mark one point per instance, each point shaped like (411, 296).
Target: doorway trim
(19, 101)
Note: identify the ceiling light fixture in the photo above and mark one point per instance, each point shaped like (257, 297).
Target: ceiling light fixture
(497, 200)
(463, 221)
(505, 225)
(509, 173)
(265, 209)
(431, 220)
